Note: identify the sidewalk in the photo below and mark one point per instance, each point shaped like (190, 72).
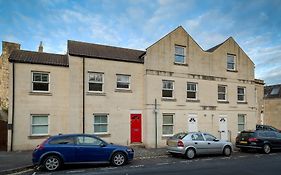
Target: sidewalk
(18, 160)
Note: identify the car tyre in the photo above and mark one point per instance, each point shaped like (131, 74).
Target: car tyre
(52, 163)
(118, 159)
(227, 151)
(190, 153)
(266, 148)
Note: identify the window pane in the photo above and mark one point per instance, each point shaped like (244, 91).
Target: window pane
(191, 86)
(221, 96)
(167, 84)
(39, 129)
(122, 85)
(240, 127)
(66, 140)
(167, 119)
(230, 65)
(167, 93)
(100, 128)
(179, 59)
(37, 77)
(230, 58)
(95, 87)
(240, 97)
(191, 95)
(88, 141)
(40, 120)
(96, 77)
(241, 119)
(179, 50)
(221, 89)
(275, 90)
(167, 130)
(240, 90)
(123, 78)
(41, 86)
(45, 78)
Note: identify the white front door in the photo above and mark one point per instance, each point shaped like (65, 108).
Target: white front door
(192, 123)
(223, 127)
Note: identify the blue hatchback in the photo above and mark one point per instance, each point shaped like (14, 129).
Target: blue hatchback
(79, 148)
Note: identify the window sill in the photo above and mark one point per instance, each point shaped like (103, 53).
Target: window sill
(225, 102)
(167, 136)
(242, 102)
(229, 70)
(40, 93)
(194, 101)
(180, 64)
(96, 93)
(124, 90)
(102, 134)
(38, 136)
(168, 99)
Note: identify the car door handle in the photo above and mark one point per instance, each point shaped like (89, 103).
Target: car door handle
(209, 143)
(195, 143)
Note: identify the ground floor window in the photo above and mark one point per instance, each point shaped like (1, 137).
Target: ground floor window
(100, 123)
(168, 124)
(39, 124)
(241, 122)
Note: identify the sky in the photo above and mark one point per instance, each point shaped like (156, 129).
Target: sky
(136, 24)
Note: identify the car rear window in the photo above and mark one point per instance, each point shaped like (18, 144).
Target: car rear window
(62, 140)
(247, 134)
(179, 136)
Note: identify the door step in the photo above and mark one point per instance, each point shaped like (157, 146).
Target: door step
(137, 145)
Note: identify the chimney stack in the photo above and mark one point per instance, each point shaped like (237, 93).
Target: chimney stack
(40, 48)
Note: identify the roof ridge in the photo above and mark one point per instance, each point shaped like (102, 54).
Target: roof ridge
(22, 50)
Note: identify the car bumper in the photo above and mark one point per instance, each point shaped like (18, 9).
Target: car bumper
(130, 155)
(177, 150)
(248, 146)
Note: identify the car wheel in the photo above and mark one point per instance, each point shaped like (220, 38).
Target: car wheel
(190, 153)
(118, 159)
(266, 149)
(52, 163)
(227, 151)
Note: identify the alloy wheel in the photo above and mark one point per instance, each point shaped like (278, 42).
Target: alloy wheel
(52, 163)
(119, 159)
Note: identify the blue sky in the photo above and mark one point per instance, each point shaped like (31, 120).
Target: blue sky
(254, 24)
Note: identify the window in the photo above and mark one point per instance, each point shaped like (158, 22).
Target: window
(231, 62)
(168, 124)
(179, 54)
(40, 81)
(275, 90)
(197, 137)
(167, 89)
(86, 140)
(209, 137)
(100, 123)
(39, 125)
(191, 90)
(241, 94)
(96, 82)
(241, 122)
(222, 92)
(123, 81)
(62, 141)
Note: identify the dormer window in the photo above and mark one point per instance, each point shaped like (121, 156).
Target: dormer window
(231, 61)
(179, 54)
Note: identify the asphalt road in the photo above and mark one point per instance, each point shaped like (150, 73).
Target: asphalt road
(239, 164)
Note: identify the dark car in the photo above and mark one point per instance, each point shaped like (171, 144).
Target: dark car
(79, 148)
(263, 140)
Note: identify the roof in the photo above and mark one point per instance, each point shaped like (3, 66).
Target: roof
(23, 56)
(217, 46)
(82, 49)
(273, 91)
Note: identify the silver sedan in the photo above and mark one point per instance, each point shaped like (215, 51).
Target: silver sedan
(195, 143)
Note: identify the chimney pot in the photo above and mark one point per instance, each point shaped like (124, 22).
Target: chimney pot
(40, 48)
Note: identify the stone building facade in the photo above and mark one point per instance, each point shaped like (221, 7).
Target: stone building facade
(129, 96)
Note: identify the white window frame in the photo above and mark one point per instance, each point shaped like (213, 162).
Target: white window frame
(32, 81)
(173, 83)
(225, 93)
(244, 94)
(129, 81)
(196, 90)
(184, 56)
(32, 125)
(173, 116)
(97, 82)
(245, 119)
(234, 62)
(107, 124)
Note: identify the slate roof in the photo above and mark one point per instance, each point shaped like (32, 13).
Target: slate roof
(90, 50)
(217, 46)
(273, 91)
(23, 56)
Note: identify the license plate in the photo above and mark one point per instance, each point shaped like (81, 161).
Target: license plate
(243, 142)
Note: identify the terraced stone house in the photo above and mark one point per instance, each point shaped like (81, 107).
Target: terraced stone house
(129, 96)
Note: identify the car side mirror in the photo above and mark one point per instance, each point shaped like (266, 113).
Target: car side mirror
(102, 144)
(216, 140)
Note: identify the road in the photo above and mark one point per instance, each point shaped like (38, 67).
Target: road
(239, 163)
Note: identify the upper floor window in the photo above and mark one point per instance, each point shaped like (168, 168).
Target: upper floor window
(123, 81)
(40, 81)
(100, 123)
(179, 54)
(191, 90)
(96, 82)
(39, 125)
(167, 89)
(241, 94)
(222, 91)
(231, 59)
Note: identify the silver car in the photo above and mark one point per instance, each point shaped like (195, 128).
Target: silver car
(195, 143)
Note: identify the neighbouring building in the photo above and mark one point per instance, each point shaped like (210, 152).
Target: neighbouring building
(272, 105)
(129, 96)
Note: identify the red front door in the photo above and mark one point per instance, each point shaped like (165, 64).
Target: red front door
(135, 128)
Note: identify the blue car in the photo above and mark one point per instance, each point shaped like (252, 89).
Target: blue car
(79, 148)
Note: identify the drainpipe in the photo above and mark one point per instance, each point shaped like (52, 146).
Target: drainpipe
(83, 110)
(155, 112)
(13, 109)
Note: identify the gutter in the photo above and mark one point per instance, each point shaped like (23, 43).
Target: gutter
(13, 109)
(83, 97)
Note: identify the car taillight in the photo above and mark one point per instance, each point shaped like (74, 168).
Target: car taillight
(253, 139)
(41, 146)
(180, 143)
